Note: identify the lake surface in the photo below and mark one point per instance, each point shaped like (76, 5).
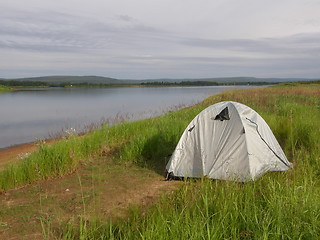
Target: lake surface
(32, 114)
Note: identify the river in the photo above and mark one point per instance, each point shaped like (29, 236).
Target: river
(30, 114)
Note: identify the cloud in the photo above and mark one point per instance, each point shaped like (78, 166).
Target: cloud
(302, 44)
(182, 39)
(54, 31)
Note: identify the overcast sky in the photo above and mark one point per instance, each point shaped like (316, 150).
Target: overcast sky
(143, 39)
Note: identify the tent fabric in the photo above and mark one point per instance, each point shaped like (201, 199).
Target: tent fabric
(228, 141)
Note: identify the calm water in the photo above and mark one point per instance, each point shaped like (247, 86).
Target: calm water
(33, 114)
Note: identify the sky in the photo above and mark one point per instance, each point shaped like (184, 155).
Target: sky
(149, 39)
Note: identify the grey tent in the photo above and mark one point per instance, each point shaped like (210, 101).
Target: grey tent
(228, 141)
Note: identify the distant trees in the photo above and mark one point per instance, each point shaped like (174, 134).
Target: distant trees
(15, 83)
(201, 83)
(183, 83)
(20, 83)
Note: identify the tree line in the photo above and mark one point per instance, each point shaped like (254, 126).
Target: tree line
(201, 83)
(15, 83)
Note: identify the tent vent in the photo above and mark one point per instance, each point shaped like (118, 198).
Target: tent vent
(190, 129)
(223, 115)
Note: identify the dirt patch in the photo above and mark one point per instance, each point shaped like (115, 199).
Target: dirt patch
(98, 189)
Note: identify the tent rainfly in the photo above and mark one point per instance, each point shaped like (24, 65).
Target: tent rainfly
(228, 141)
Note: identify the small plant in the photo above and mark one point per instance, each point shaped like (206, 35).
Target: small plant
(70, 132)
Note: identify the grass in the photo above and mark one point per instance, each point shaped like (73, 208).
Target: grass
(141, 143)
(281, 205)
(5, 89)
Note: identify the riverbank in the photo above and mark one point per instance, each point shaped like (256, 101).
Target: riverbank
(72, 196)
(15, 153)
(11, 154)
(5, 89)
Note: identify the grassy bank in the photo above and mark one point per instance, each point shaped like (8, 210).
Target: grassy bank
(141, 143)
(282, 205)
(5, 89)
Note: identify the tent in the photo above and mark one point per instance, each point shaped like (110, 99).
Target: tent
(228, 141)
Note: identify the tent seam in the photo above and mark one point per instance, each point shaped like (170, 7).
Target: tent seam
(245, 137)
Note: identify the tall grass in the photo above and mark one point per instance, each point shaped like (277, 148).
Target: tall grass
(223, 210)
(142, 143)
(281, 205)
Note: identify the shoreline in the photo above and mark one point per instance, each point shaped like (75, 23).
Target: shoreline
(11, 154)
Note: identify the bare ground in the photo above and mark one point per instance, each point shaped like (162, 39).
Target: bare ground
(99, 188)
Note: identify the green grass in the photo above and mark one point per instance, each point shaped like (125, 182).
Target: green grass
(221, 210)
(280, 205)
(5, 89)
(142, 143)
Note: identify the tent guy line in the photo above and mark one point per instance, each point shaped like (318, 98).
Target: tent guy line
(266, 142)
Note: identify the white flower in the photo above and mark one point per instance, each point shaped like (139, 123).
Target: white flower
(22, 156)
(70, 131)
